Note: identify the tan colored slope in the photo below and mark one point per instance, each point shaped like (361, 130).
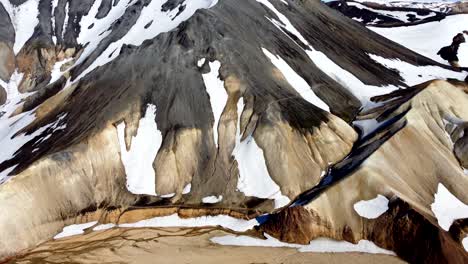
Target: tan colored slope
(172, 245)
(60, 186)
(409, 166)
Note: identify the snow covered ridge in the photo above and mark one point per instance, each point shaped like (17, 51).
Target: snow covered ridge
(320, 245)
(421, 39)
(390, 16)
(413, 75)
(439, 5)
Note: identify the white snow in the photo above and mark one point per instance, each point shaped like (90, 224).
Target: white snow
(465, 243)
(56, 72)
(10, 125)
(400, 15)
(52, 19)
(218, 95)
(103, 227)
(170, 195)
(372, 209)
(201, 62)
(228, 222)
(367, 126)
(187, 189)
(428, 38)
(447, 208)
(436, 5)
(74, 230)
(212, 199)
(24, 19)
(320, 245)
(65, 21)
(137, 34)
(254, 178)
(138, 161)
(238, 225)
(296, 81)
(414, 75)
(362, 91)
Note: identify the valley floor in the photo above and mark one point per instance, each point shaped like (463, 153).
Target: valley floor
(175, 245)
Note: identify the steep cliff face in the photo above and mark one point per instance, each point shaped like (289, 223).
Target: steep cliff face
(213, 107)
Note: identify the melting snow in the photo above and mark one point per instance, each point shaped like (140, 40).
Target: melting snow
(74, 230)
(447, 208)
(254, 179)
(138, 161)
(372, 209)
(296, 81)
(320, 245)
(212, 199)
(218, 95)
(24, 20)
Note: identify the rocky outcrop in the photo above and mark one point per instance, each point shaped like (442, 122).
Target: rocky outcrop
(7, 61)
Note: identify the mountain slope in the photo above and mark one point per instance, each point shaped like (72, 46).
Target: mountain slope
(141, 109)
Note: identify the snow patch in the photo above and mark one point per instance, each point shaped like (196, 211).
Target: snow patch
(320, 245)
(73, 230)
(447, 208)
(465, 243)
(187, 189)
(138, 161)
(24, 19)
(218, 95)
(296, 81)
(254, 178)
(212, 199)
(362, 91)
(373, 208)
(414, 75)
(103, 227)
(56, 72)
(238, 225)
(170, 195)
(137, 34)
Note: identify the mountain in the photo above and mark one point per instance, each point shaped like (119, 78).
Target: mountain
(254, 122)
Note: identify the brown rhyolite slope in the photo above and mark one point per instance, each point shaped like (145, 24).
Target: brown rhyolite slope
(407, 169)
